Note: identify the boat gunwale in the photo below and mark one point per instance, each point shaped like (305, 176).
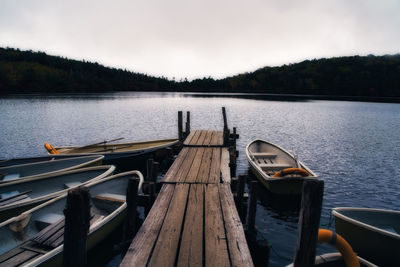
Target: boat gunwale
(270, 178)
(336, 213)
(167, 142)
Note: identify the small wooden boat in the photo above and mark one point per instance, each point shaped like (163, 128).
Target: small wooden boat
(120, 154)
(40, 169)
(335, 259)
(20, 195)
(374, 234)
(35, 237)
(276, 168)
(19, 161)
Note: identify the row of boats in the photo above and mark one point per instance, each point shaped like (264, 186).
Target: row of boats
(33, 196)
(374, 234)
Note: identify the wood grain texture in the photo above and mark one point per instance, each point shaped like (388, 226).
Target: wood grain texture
(191, 248)
(195, 168)
(142, 245)
(202, 137)
(205, 166)
(225, 169)
(207, 139)
(174, 169)
(237, 245)
(215, 170)
(165, 251)
(186, 165)
(195, 137)
(189, 138)
(216, 253)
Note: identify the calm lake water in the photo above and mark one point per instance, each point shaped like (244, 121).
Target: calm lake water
(353, 146)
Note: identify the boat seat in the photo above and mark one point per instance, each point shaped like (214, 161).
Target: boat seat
(47, 219)
(9, 176)
(72, 184)
(264, 154)
(109, 197)
(275, 166)
(14, 196)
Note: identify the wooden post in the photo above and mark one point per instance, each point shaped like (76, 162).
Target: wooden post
(232, 160)
(239, 195)
(131, 202)
(154, 173)
(180, 126)
(149, 174)
(310, 213)
(187, 130)
(226, 129)
(253, 205)
(77, 223)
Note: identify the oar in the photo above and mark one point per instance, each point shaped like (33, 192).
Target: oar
(110, 149)
(101, 143)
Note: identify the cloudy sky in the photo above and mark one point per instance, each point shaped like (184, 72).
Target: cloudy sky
(185, 38)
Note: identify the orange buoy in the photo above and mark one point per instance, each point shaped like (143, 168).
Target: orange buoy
(288, 171)
(327, 236)
(50, 149)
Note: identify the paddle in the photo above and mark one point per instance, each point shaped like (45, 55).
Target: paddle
(104, 142)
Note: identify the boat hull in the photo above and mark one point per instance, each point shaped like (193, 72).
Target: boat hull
(381, 249)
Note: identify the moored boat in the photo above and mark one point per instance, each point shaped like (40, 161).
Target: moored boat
(40, 169)
(36, 236)
(119, 154)
(374, 234)
(19, 161)
(276, 168)
(20, 195)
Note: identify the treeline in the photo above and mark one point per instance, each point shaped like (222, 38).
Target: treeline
(36, 72)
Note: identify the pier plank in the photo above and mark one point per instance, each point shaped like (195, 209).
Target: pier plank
(189, 138)
(215, 166)
(205, 166)
(186, 165)
(173, 170)
(202, 137)
(194, 169)
(191, 248)
(195, 137)
(225, 169)
(220, 139)
(20, 258)
(167, 244)
(142, 245)
(237, 245)
(207, 140)
(214, 138)
(216, 253)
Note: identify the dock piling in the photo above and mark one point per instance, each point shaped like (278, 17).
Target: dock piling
(77, 223)
(187, 129)
(310, 213)
(239, 195)
(251, 220)
(180, 126)
(131, 201)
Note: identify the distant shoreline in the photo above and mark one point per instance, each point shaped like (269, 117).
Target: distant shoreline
(255, 96)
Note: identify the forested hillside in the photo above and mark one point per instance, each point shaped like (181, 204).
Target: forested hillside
(370, 76)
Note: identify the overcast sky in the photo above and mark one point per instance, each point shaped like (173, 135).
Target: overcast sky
(184, 38)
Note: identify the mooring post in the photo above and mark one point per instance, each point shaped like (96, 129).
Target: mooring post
(239, 195)
(77, 223)
(251, 220)
(131, 202)
(154, 173)
(149, 174)
(232, 160)
(180, 126)
(187, 130)
(310, 213)
(226, 129)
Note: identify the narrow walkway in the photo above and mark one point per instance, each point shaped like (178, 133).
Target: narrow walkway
(194, 221)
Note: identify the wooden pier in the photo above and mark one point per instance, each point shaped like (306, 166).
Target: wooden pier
(194, 221)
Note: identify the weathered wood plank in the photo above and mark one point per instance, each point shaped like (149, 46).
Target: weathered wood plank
(207, 139)
(173, 170)
(167, 244)
(143, 243)
(195, 137)
(20, 258)
(10, 253)
(202, 137)
(191, 248)
(186, 165)
(214, 138)
(205, 166)
(215, 169)
(220, 139)
(225, 170)
(194, 169)
(189, 138)
(49, 231)
(216, 253)
(237, 245)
